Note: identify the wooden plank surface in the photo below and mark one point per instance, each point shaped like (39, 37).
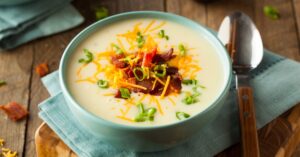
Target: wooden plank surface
(281, 136)
(15, 69)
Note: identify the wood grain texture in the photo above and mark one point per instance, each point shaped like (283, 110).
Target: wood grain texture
(280, 35)
(49, 50)
(278, 138)
(15, 69)
(135, 5)
(296, 5)
(189, 8)
(250, 147)
(48, 144)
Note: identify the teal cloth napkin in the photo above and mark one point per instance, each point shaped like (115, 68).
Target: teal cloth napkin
(276, 85)
(22, 23)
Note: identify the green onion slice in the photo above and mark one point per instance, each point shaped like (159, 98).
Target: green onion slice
(189, 82)
(160, 70)
(189, 100)
(182, 115)
(2, 82)
(135, 73)
(162, 34)
(140, 118)
(271, 12)
(117, 49)
(182, 49)
(140, 40)
(88, 57)
(101, 13)
(145, 115)
(125, 93)
(102, 83)
(141, 107)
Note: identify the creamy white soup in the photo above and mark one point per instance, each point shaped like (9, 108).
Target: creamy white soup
(145, 72)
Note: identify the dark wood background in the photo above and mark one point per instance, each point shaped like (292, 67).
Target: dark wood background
(281, 137)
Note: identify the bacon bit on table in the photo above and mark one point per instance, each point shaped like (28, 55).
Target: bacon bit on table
(42, 69)
(14, 111)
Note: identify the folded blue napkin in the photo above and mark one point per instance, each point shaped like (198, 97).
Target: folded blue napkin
(276, 85)
(22, 23)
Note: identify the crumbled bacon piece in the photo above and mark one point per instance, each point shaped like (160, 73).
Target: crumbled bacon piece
(163, 57)
(147, 83)
(175, 83)
(14, 111)
(118, 94)
(42, 69)
(116, 61)
(172, 70)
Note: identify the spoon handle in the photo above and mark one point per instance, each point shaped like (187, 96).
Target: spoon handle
(247, 122)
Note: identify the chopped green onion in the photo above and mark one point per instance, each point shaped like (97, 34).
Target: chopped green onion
(140, 40)
(102, 84)
(2, 82)
(151, 111)
(189, 82)
(101, 13)
(135, 73)
(182, 49)
(160, 70)
(89, 57)
(125, 93)
(117, 49)
(271, 12)
(189, 100)
(141, 107)
(145, 115)
(140, 118)
(162, 34)
(167, 37)
(182, 115)
(201, 86)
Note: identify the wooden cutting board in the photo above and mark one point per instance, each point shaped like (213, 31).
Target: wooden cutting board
(280, 138)
(48, 144)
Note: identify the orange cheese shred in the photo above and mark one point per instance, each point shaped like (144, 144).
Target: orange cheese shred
(125, 118)
(133, 85)
(158, 106)
(172, 101)
(165, 88)
(149, 26)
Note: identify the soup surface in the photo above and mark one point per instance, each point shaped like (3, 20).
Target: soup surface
(145, 72)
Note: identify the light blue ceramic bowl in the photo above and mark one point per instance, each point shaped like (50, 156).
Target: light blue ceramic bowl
(152, 138)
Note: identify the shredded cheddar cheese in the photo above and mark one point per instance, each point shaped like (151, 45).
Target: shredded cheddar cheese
(159, 80)
(127, 42)
(165, 88)
(133, 85)
(172, 101)
(109, 94)
(158, 106)
(153, 86)
(149, 26)
(125, 118)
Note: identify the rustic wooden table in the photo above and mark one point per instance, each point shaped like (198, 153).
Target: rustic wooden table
(280, 137)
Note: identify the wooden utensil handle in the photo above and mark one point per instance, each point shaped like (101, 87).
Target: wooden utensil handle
(248, 122)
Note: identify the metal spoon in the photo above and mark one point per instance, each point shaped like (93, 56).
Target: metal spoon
(243, 42)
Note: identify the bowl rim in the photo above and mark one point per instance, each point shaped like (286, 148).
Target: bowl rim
(63, 63)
